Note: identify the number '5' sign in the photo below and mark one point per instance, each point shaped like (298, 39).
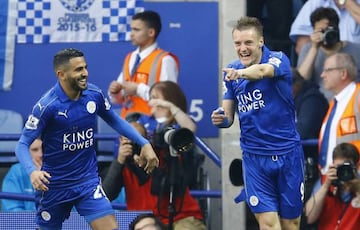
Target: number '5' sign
(196, 112)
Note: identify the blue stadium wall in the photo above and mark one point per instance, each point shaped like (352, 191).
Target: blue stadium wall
(190, 30)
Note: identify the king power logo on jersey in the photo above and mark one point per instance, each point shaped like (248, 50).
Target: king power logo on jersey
(78, 140)
(250, 101)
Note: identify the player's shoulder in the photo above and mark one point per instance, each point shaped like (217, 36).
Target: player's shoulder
(276, 58)
(95, 93)
(46, 100)
(93, 87)
(278, 54)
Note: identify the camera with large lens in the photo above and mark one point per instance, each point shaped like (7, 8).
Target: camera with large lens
(175, 141)
(158, 138)
(330, 36)
(344, 172)
(182, 139)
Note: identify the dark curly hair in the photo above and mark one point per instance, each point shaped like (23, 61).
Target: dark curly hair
(325, 13)
(157, 223)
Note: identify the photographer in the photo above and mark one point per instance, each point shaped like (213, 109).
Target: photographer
(325, 41)
(151, 192)
(335, 204)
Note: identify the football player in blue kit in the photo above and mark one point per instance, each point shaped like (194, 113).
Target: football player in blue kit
(259, 86)
(65, 119)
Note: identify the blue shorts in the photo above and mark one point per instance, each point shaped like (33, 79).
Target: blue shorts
(275, 183)
(55, 205)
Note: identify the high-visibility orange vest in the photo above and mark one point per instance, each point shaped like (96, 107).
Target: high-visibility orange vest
(348, 127)
(148, 72)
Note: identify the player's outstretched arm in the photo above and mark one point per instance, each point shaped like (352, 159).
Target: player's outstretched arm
(253, 72)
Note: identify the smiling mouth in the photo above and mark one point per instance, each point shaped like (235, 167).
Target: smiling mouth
(82, 81)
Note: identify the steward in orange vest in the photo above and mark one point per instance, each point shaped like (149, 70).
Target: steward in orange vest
(347, 129)
(148, 64)
(148, 72)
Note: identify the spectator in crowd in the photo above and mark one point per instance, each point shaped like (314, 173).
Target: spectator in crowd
(335, 202)
(341, 121)
(324, 42)
(276, 16)
(310, 107)
(144, 66)
(147, 222)
(349, 24)
(65, 118)
(168, 108)
(17, 181)
(259, 87)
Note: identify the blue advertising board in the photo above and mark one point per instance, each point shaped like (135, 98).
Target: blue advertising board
(190, 30)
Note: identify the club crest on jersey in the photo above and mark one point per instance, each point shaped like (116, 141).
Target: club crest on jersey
(91, 107)
(32, 122)
(254, 200)
(45, 215)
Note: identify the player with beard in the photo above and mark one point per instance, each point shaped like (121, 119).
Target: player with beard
(325, 41)
(65, 119)
(259, 86)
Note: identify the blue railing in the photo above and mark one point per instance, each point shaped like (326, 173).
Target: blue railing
(196, 193)
(118, 206)
(310, 142)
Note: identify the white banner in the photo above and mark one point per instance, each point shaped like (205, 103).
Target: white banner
(52, 21)
(7, 42)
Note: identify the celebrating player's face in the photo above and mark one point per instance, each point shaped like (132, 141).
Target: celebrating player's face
(76, 75)
(248, 45)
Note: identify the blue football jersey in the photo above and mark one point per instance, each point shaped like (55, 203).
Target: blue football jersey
(265, 107)
(67, 128)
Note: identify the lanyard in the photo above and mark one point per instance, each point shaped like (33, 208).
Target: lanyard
(341, 216)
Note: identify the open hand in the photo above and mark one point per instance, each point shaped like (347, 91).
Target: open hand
(40, 179)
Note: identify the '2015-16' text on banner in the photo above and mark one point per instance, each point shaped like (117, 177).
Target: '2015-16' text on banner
(51, 21)
(59, 21)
